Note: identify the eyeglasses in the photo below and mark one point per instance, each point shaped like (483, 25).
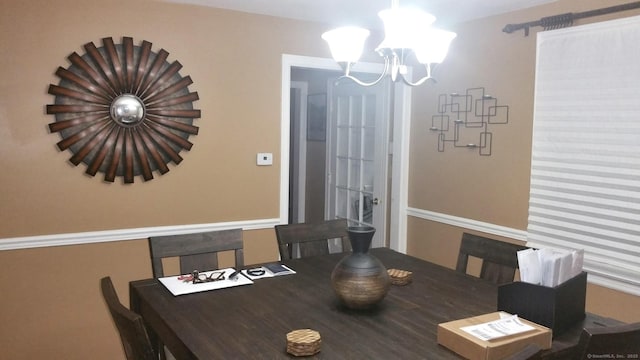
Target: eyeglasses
(197, 278)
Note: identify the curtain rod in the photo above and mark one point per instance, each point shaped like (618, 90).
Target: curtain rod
(566, 19)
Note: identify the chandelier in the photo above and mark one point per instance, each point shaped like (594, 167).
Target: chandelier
(407, 31)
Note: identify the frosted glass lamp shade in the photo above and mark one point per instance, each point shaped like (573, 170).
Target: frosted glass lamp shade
(406, 30)
(403, 27)
(346, 43)
(434, 46)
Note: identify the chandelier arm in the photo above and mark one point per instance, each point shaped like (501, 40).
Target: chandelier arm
(360, 82)
(422, 80)
(419, 82)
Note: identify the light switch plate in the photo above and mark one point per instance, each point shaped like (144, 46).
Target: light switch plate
(264, 159)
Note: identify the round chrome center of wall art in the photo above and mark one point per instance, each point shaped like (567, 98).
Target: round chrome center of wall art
(127, 110)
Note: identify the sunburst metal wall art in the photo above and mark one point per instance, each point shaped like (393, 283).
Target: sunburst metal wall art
(123, 110)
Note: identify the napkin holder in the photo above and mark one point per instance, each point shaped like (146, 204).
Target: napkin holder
(558, 308)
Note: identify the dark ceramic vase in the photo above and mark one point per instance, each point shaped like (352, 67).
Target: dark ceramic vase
(360, 280)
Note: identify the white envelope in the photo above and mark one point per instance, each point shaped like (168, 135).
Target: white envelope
(529, 266)
(550, 265)
(576, 264)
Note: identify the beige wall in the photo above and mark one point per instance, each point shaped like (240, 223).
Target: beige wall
(51, 306)
(492, 189)
(234, 61)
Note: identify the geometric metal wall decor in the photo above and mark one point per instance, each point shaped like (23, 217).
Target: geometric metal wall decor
(472, 111)
(123, 110)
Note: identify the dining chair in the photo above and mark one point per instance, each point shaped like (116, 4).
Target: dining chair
(499, 258)
(529, 352)
(311, 239)
(197, 251)
(620, 341)
(133, 333)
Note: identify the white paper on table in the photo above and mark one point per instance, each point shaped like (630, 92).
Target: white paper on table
(278, 269)
(180, 287)
(496, 329)
(284, 270)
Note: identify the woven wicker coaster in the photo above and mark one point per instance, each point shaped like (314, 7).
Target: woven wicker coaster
(303, 342)
(400, 277)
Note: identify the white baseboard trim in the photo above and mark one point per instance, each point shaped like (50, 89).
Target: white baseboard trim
(469, 224)
(91, 237)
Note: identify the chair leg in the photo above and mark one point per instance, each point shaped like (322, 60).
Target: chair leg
(162, 350)
(166, 354)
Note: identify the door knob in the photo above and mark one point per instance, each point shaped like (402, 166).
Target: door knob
(376, 201)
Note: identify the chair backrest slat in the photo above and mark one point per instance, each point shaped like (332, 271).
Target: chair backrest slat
(133, 333)
(312, 238)
(499, 258)
(197, 251)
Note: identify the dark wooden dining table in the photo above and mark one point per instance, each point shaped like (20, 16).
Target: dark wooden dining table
(251, 321)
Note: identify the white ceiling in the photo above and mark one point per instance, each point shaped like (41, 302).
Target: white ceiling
(364, 12)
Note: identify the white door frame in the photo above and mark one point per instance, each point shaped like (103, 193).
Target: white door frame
(399, 148)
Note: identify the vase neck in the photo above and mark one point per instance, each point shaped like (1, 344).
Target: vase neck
(360, 238)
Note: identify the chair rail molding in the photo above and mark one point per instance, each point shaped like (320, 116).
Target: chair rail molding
(27, 242)
(498, 230)
(470, 224)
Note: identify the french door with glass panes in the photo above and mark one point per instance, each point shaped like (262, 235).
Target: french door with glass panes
(357, 155)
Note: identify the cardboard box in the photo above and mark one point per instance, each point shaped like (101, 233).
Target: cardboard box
(451, 336)
(558, 308)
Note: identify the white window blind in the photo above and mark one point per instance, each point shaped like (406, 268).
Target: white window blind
(585, 166)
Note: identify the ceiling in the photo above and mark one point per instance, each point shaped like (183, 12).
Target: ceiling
(364, 12)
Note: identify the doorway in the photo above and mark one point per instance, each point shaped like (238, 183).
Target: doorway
(308, 143)
(394, 235)
(357, 155)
